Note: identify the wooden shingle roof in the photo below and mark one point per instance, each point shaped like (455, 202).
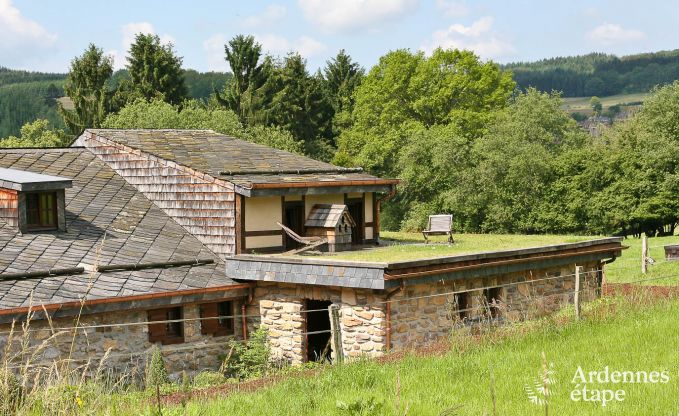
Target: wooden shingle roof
(109, 223)
(328, 216)
(243, 163)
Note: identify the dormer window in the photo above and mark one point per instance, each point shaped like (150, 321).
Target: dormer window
(41, 211)
(33, 202)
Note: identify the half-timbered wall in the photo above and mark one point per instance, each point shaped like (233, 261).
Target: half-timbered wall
(203, 205)
(261, 215)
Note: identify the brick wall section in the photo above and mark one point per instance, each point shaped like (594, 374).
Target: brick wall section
(203, 205)
(362, 318)
(418, 321)
(9, 207)
(129, 346)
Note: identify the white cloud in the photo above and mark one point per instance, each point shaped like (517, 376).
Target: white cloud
(214, 48)
(478, 37)
(271, 43)
(307, 46)
(278, 45)
(351, 15)
(129, 32)
(20, 37)
(270, 15)
(453, 8)
(608, 34)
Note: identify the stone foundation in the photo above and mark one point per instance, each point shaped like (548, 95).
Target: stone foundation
(128, 345)
(428, 318)
(417, 317)
(362, 319)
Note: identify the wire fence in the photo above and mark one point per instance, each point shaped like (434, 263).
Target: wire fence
(458, 316)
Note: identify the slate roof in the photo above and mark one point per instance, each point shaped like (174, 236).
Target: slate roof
(238, 161)
(108, 223)
(327, 215)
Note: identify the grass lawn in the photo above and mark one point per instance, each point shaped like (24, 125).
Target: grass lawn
(632, 339)
(582, 104)
(404, 249)
(625, 269)
(628, 267)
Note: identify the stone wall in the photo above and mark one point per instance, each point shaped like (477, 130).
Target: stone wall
(362, 318)
(128, 346)
(427, 318)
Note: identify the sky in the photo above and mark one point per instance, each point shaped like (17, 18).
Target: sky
(46, 35)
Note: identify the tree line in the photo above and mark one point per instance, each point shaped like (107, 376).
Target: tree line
(597, 73)
(457, 130)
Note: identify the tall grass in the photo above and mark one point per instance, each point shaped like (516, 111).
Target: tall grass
(636, 333)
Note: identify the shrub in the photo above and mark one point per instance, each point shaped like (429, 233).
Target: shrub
(208, 379)
(248, 359)
(156, 373)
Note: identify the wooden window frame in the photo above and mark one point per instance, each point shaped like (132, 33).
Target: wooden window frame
(166, 332)
(218, 327)
(38, 209)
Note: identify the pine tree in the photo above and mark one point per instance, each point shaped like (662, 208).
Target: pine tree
(243, 94)
(155, 72)
(86, 87)
(342, 76)
(300, 106)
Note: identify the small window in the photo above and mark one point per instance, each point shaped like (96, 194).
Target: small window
(220, 318)
(166, 332)
(493, 298)
(41, 211)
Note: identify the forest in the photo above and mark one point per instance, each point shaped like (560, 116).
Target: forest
(598, 74)
(26, 96)
(461, 133)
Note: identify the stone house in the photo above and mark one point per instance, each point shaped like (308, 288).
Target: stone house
(167, 237)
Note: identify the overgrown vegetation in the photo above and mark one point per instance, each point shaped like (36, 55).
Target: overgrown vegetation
(250, 359)
(455, 378)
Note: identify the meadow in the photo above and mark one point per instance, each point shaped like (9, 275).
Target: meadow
(582, 104)
(472, 373)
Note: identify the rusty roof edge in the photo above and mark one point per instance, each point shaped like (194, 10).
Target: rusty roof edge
(119, 299)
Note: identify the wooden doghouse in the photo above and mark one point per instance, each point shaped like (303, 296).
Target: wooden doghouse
(331, 221)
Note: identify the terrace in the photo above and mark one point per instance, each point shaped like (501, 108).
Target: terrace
(404, 256)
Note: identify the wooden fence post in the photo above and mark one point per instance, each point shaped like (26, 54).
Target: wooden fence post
(578, 270)
(644, 253)
(336, 334)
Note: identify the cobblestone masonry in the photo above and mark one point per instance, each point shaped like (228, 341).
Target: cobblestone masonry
(414, 322)
(281, 305)
(129, 346)
(425, 319)
(362, 318)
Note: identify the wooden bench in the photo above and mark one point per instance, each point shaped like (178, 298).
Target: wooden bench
(439, 225)
(307, 242)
